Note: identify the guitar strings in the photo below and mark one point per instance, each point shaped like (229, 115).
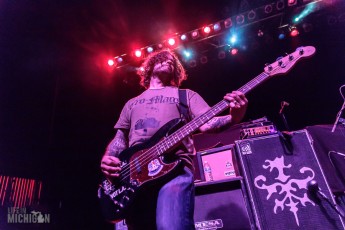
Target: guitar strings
(151, 153)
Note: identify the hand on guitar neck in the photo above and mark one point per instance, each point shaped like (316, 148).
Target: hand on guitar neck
(238, 105)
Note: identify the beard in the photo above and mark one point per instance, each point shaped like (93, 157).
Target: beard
(165, 73)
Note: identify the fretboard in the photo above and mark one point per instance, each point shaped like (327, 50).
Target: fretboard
(175, 138)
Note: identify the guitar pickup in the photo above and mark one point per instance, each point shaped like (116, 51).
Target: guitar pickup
(137, 165)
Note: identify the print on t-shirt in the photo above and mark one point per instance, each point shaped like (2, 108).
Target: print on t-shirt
(149, 122)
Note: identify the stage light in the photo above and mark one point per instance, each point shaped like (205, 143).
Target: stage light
(294, 32)
(140, 69)
(281, 36)
(171, 41)
(192, 63)
(251, 15)
(217, 27)
(111, 62)
(240, 19)
(119, 59)
(233, 39)
(221, 54)
(268, 9)
(260, 33)
(307, 27)
(292, 2)
(280, 5)
(138, 53)
(195, 34)
(187, 54)
(149, 49)
(228, 23)
(206, 30)
(183, 37)
(234, 51)
(203, 60)
(308, 10)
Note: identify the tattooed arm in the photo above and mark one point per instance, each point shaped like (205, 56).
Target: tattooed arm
(216, 124)
(238, 106)
(110, 163)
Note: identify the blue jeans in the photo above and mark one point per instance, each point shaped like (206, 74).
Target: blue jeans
(165, 208)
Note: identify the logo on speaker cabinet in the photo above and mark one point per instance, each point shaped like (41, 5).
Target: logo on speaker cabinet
(289, 192)
(245, 148)
(209, 224)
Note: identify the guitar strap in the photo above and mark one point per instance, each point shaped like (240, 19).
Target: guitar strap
(183, 106)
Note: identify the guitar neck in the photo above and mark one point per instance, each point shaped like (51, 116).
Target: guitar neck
(175, 138)
(254, 82)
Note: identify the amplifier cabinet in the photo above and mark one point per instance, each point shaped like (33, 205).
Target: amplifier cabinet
(218, 163)
(278, 171)
(221, 205)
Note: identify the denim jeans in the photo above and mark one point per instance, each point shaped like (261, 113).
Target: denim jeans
(165, 208)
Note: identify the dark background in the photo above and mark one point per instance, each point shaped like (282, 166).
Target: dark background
(59, 100)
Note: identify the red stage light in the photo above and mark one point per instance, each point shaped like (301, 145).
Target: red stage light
(234, 51)
(195, 34)
(171, 41)
(207, 29)
(111, 62)
(137, 53)
(292, 2)
(294, 32)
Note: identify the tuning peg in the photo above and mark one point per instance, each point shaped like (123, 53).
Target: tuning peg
(280, 61)
(269, 66)
(301, 50)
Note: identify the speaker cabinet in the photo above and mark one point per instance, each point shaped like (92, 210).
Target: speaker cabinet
(221, 205)
(277, 171)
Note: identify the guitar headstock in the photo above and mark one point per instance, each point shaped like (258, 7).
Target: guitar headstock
(284, 64)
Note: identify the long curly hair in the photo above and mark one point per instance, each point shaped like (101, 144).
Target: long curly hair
(145, 71)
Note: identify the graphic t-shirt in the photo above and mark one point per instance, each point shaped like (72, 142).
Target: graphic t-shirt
(145, 114)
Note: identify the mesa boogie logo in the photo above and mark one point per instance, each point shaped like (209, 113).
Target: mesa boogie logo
(209, 224)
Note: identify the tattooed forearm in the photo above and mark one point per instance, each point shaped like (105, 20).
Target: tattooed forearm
(118, 144)
(216, 124)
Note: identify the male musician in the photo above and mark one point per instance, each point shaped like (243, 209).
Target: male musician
(169, 205)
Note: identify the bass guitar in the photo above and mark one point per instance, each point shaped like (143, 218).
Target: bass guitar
(145, 163)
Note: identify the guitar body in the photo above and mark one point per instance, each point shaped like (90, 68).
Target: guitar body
(139, 169)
